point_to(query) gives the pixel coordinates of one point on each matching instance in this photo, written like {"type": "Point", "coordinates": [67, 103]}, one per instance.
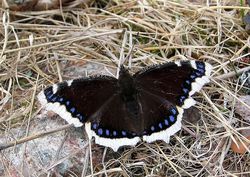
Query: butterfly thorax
{"type": "Point", "coordinates": [128, 92]}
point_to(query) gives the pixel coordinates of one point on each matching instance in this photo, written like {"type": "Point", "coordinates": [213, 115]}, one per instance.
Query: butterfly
{"type": "Point", "coordinates": [146, 106]}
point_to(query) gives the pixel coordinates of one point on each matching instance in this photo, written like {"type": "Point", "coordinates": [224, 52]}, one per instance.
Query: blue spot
{"type": "Point", "coordinates": [200, 64]}
{"type": "Point", "coordinates": [187, 82]}
{"type": "Point", "coordinates": [192, 76]}
{"type": "Point", "coordinates": [145, 132]}
{"type": "Point", "coordinates": [166, 122]}
{"type": "Point", "coordinates": [182, 98]}
{"type": "Point", "coordinates": [133, 134]}
{"type": "Point", "coordinates": [80, 117]}
{"type": "Point", "coordinates": [100, 131]}
{"type": "Point", "coordinates": [160, 125]}
{"type": "Point", "coordinates": [48, 93]}
{"type": "Point", "coordinates": [198, 74]}
{"type": "Point", "coordinates": [124, 133]}
{"type": "Point", "coordinates": [152, 128]}
{"type": "Point", "coordinates": [72, 110]}
{"type": "Point", "coordinates": [67, 103]}
{"type": "Point", "coordinates": [50, 96]}
{"type": "Point", "coordinates": [60, 99]}
{"type": "Point", "coordinates": [185, 90]}
{"type": "Point", "coordinates": [94, 126]}
{"type": "Point", "coordinates": [107, 132]}
{"type": "Point", "coordinates": [201, 70]}
{"type": "Point", "coordinates": [115, 133]}
{"type": "Point", "coordinates": [171, 118]}
{"type": "Point", "coordinates": [173, 111]}
{"type": "Point", "coordinates": [54, 98]}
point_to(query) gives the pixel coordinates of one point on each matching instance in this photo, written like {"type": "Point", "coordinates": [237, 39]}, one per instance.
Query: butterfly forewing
{"type": "Point", "coordinates": [175, 82]}
{"type": "Point", "coordinates": [76, 101]}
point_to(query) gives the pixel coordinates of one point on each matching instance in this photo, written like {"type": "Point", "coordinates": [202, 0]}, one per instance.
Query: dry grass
{"type": "Point", "coordinates": [40, 48]}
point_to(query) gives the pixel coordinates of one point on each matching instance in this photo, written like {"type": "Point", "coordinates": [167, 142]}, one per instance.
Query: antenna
{"type": "Point", "coordinates": [131, 50]}
{"type": "Point", "coordinates": [130, 53]}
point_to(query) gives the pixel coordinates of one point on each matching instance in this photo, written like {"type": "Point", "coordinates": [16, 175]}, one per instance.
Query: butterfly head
{"type": "Point", "coordinates": [123, 70]}
{"type": "Point", "coordinates": [126, 83]}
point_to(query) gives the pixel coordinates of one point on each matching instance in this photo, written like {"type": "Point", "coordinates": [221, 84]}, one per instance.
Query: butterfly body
{"type": "Point", "coordinates": [146, 106]}
{"type": "Point", "coordinates": [129, 94]}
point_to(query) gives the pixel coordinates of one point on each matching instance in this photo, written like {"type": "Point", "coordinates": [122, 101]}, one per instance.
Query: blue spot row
{"type": "Point", "coordinates": [173, 111]}
{"type": "Point", "coordinates": [200, 66]}
{"type": "Point", "coordinates": [187, 85]}
{"type": "Point", "coordinates": [166, 123]}
{"type": "Point", "coordinates": [54, 98]}
{"type": "Point", "coordinates": [110, 133]}
{"type": "Point", "coordinates": [182, 98]}
{"type": "Point", "coordinates": [72, 110]}
{"type": "Point", "coordinates": [47, 93]}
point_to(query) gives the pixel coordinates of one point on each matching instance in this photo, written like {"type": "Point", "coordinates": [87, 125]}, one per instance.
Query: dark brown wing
{"type": "Point", "coordinates": [77, 100]}
{"type": "Point", "coordinates": [115, 127]}
{"type": "Point", "coordinates": [165, 91]}
{"type": "Point", "coordinates": [174, 82]}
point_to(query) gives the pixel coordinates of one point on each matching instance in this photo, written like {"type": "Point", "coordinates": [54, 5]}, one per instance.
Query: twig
{"type": "Point", "coordinates": [233, 73]}
{"type": "Point", "coordinates": [38, 135]}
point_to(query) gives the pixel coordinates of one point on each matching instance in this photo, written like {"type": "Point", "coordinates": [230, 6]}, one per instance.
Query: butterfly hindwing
{"type": "Point", "coordinates": [161, 118]}
{"type": "Point", "coordinates": [116, 127]}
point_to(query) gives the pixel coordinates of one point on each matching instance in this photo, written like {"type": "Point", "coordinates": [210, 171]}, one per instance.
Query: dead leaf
{"type": "Point", "coordinates": [240, 147]}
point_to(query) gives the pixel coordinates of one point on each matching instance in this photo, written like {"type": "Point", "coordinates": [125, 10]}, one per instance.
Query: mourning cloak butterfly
{"type": "Point", "coordinates": [146, 106]}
